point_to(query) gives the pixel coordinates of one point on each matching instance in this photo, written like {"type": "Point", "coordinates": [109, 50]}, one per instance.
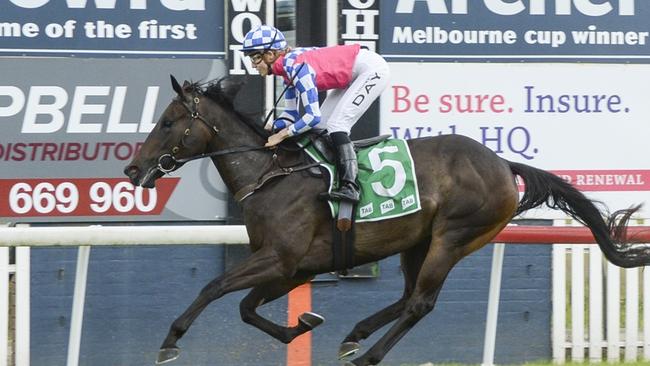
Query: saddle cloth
{"type": "Point", "coordinates": [386, 178]}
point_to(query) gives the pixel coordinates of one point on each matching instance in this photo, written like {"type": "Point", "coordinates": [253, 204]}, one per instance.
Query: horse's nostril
{"type": "Point", "coordinates": [131, 171]}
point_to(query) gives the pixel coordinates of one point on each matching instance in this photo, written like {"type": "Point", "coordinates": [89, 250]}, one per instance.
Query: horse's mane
{"type": "Point", "coordinates": [223, 91]}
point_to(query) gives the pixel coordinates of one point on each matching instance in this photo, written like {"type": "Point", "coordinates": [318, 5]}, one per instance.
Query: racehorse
{"type": "Point", "coordinates": [468, 195]}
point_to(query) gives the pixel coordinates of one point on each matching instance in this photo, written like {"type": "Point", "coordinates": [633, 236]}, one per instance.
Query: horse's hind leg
{"type": "Point", "coordinates": [411, 262]}
{"type": "Point", "coordinates": [261, 267]}
{"type": "Point", "coordinates": [435, 268]}
{"type": "Point", "coordinates": [268, 292]}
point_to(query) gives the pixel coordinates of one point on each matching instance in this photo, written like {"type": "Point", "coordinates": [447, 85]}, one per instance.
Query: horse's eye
{"type": "Point", "coordinates": [167, 123]}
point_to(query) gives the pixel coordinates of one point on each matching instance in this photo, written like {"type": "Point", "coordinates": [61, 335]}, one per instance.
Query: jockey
{"type": "Point", "coordinates": [356, 77]}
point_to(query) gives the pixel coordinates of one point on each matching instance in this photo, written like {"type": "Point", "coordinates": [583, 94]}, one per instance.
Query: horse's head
{"type": "Point", "coordinates": [185, 129]}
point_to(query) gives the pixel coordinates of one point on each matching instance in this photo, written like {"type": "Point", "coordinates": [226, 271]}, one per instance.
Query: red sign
{"type": "Point", "coordinates": [82, 197]}
{"type": "Point", "coordinates": [606, 180]}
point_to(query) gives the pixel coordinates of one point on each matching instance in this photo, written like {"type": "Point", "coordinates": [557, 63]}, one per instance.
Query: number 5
{"type": "Point", "coordinates": [377, 164]}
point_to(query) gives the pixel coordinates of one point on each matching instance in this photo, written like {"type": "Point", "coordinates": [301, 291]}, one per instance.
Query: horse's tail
{"type": "Point", "coordinates": [610, 232]}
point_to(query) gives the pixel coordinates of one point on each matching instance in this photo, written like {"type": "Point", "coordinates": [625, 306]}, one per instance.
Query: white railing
{"type": "Point", "coordinates": [24, 237]}
{"type": "Point", "coordinates": [578, 341]}
{"type": "Point", "coordinates": [21, 271]}
{"type": "Point", "coordinates": [588, 321]}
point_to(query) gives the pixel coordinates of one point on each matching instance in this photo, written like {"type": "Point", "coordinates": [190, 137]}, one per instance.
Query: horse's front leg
{"type": "Point", "coordinates": [260, 267]}
{"type": "Point", "coordinates": [268, 292]}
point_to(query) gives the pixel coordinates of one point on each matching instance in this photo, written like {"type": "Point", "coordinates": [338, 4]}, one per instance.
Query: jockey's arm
{"type": "Point", "coordinates": [290, 112]}
{"type": "Point", "coordinates": [305, 83]}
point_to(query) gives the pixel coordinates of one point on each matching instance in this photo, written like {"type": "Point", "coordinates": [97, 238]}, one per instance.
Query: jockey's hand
{"type": "Point", "coordinates": [277, 138]}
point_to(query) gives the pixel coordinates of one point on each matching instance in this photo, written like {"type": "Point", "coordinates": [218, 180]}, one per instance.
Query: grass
{"type": "Point", "coordinates": [644, 363]}
{"type": "Point", "coordinates": [586, 363]}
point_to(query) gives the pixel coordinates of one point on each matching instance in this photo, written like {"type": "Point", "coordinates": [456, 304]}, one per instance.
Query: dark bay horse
{"type": "Point", "coordinates": [468, 195]}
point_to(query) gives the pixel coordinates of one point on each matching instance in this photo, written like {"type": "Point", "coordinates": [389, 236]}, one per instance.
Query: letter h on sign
{"type": "Point", "coordinates": [360, 23]}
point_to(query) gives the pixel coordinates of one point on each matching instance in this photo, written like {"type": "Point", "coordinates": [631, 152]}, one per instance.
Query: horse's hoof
{"type": "Point", "coordinates": [167, 355]}
{"type": "Point", "coordinates": [311, 320]}
{"type": "Point", "coordinates": [347, 349]}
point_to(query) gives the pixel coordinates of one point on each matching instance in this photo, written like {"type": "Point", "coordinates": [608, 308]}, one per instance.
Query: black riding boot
{"type": "Point", "coordinates": [349, 190]}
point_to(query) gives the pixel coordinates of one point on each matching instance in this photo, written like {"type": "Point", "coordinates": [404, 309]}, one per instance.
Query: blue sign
{"type": "Point", "coordinates": [111, 28]}
{"type": "Point", "coordinates": [507, 30]}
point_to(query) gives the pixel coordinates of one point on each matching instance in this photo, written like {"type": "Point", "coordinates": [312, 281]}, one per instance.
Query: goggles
{"type": "Point", "coordinates": [256, 55]}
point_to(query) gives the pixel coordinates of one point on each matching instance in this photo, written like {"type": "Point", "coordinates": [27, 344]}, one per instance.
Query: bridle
{"type": "Point", "coordinates": [193, 109]}
{"type": "Point", "coordinates": [168, 162]}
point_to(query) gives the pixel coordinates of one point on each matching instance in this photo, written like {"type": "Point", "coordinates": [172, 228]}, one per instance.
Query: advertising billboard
{"type": "Point", "coordinates": [70, 126]}
{"type": "Point", "coordinates": [587, 123]}
{"type": "Point", "coordinates": [559, 85]}
{"type": "Point", "coordinates": [109, 28]}
{"type": "Point", "coordinates": [534, 30]}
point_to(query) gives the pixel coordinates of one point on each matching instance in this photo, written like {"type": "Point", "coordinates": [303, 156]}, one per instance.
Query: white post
{"type": "Point", "coordinates": [4, 304]}
{"type": "Point", "coordinates": [269, 83]}
{"type": "Point", "coordinates": [332, 23]}
{"type": "Point", "coordinates": [646, 313]}
{"type": "Point", "coordinates": [631, 313]}
{"type": "Point", "coordinates": [559, 303]}
{"type": "Point", "coordinates": [613, 312]}
{"type": "Point", "coordinates": [22, 306]}
{"type": "Point", "coordinates": [76, 319]}
{"type": "Point", "coordinates": [577, 303]}
{"type": "Point", "coordinates": [493, 305]}
{"type": "Point", "coordinates": [595, 304]}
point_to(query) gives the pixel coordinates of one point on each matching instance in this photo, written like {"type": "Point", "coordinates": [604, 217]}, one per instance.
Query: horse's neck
{"type": "Point", "coordinates": [240, 169]}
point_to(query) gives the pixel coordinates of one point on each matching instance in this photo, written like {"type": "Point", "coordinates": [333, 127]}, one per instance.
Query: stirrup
{"type": "Point", "coordinates": [346, 193]}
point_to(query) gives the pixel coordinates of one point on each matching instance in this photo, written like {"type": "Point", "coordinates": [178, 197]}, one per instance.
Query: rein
{"type": "Point", "coordinates": [282, 95]}
{"type": "Point", "coordinates": [232, 150]}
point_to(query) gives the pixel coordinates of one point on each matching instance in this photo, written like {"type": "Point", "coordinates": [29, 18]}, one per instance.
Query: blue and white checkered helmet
{"type": "Point", "coordinates": [264, 37]}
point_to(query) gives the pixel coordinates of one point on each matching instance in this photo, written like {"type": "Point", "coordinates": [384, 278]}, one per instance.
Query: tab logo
{"type": "Point", "coordinates": [387, 206]}
{"type": "Point", "coordinates": [366, 210]}
{"type": "Point", "coordinates": [408, 202]}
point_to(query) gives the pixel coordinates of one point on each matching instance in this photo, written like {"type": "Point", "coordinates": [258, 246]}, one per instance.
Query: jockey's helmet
{"type": "Point", "coordinates": [263, 38]}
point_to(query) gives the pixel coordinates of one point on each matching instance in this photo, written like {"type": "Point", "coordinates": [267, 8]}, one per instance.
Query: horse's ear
{"type": "Point", "coordinates": [176, 86]}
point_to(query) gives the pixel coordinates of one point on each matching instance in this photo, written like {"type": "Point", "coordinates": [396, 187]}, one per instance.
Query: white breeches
{"type": "Point", "coordinates": [343, 107]}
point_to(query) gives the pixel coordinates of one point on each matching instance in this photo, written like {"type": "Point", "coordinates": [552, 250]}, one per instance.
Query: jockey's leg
{"type": "Point", "coordinates": [348, 169]}
{"type": "Point", "coordinates": [369, 78]}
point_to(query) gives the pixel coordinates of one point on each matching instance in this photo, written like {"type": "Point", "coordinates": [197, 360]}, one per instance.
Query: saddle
{"type": "Point", "coordinates": [342, 231]}
{"type": "Point", "coordinates": [323, 143]}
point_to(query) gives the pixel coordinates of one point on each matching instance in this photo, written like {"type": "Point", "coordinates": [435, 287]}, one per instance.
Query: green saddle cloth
{"type": "Point", "coordinates": [386, 177]}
